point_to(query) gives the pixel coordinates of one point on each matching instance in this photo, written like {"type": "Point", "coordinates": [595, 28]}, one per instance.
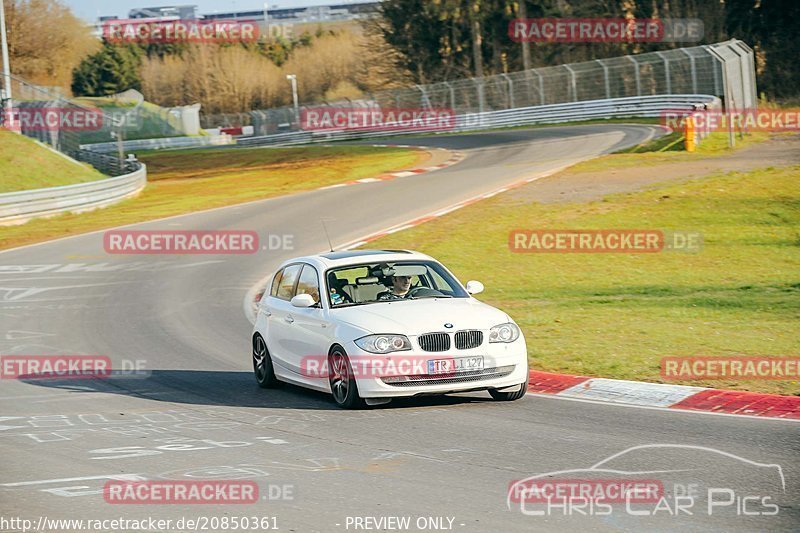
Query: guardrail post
{"type": "Point", "coordinates": [605, 76]}
{"type": "Point", "coordinates": [693, 69]}
{"type": "Point", "coordinates": [638, 77]}
{"type": "Point", "coordinates": [541, 86]}
{"type": "Point", "coordinates": [751, 67]}
{"type": "Point", "coordinates": [741, 55]}
{"type": "Point", "coordinates": [573, 83]}
{"type": "Point", "coordinates": [510, 91]}
{"type": "Point", "coordinates": [426, 102]}
{"type": "Point", "coordinates": [666, 71]}
{"type": "Point", "coordinates": [481, 102]}
{"type": "Point", "coordinates": [726, 91]}
{"type": "Point", "coordinates": [716, 61]}
{"type": "Point", "coordinates": [452, 96]}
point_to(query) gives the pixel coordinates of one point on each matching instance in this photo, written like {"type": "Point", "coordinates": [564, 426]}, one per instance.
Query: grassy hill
{"type": "Point", "coordinates": [25, 164]}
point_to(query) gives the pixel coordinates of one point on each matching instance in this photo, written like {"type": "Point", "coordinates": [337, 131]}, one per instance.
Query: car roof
{"type": "Point", "coordinates": [354, 257]}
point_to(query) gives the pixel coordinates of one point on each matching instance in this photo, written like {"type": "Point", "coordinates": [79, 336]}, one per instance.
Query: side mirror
{"type": "Point", "coordinates": [303, 300]}
{"type": "Point", "coordinates": [474, 287]}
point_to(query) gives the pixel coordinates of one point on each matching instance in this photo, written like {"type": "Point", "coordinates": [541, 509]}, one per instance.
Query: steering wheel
{"type": "Point", "coordinates": [416, 290]}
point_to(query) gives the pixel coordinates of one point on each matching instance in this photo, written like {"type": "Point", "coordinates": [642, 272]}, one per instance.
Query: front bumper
{"type": "Point", "coordinates": [505, 365]}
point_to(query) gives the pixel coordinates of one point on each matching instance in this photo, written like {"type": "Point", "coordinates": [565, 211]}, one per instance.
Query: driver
{"type": "Point", "coordinates": [400, 287]}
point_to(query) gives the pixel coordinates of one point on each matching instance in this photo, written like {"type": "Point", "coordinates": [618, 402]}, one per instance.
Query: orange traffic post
{"type": "Point", "coordinates": [688, 132]}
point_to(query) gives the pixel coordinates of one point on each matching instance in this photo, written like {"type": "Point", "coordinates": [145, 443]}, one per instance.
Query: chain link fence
{"type": "Point", "coordinates": [725, 70]}
{"type": "Point", "coordinates": [64, 123]}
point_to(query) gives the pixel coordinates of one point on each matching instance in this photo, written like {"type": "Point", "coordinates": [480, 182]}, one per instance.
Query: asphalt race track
{"type": "Point", "coordinates": [444, 462]}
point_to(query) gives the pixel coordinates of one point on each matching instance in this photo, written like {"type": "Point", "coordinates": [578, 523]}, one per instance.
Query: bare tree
{"type": "Point", "coordinates": [46, 41]}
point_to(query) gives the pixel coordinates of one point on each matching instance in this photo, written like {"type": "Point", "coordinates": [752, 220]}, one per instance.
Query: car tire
{"type": "Point", "coordinates": [262, 364]}
{"type": "Point", "coordinates": [344, 388]}
{"type": "Point", "coordinates": [509, 396]}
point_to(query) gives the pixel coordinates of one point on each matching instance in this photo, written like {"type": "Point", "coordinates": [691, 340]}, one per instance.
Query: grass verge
{"type": "Point", "coordinates": [669, 149]}
{"type": "Point", "coordinates": [617, 315]}
{"type": "Point", "coordinates": [25, 165]}
{"type": "Point", "coordinates": [192, 180]}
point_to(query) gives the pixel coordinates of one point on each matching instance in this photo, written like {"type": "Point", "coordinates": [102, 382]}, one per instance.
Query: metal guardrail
{"type": "Point", "coordinates": [107, 164]}
{"type": "Point", "coordinates": [157, 144]}
{"type": "Point", "coordinates": [629, 107]}
{"type": "Point", "coordinates": [18, 207]}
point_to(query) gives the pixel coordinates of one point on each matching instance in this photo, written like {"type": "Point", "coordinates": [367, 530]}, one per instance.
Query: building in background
{"type": "Point", "coordinates": [187, 12]}
{"type": "Point", "coordinates": [282, 21]}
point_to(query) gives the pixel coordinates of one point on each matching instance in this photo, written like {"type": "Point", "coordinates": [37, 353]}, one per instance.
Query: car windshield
{"type": "Point", "coordinates": [390, 281]}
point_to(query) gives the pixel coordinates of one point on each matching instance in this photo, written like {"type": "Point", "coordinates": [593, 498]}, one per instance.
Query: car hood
{"type": "Point", "coordinates": [413, 317]}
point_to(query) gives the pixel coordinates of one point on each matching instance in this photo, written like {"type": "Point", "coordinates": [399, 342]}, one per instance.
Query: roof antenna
{"type": "Point", "coordinates": [322, 220]}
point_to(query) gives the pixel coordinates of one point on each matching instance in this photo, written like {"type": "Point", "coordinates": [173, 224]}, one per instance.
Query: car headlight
{"type": "Point", "coordinates": [508, 332]}
{"type": "Point", "coordinates": [383, 343]}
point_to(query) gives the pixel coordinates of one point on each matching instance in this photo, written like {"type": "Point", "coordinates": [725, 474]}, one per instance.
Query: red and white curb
{"type": "Point", "coordinates": [456, 157]}
{"type": "Point", "coordinates": [665, 395]}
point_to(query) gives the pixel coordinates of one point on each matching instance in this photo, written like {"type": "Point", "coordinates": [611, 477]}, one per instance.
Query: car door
{"type": "Point", "coordinates": [279, 330]}
{"type": "Point", "coordinates": [310, 328]}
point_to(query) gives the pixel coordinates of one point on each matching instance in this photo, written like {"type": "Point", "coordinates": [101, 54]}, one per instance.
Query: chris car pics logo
{"type": "Point", "coordinates": [656, 480]}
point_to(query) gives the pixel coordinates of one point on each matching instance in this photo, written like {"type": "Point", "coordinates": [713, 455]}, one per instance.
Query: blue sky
{"type": "Point", "coordinates": [91, 9]}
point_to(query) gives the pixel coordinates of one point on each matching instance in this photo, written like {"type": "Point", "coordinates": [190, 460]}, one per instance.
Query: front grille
{"type": "Point", "coordinates": [468, 339]}
{"type": "Point", "coordinates": [434, 342]}
{"type": "Point", "coordinates": [462, 377]}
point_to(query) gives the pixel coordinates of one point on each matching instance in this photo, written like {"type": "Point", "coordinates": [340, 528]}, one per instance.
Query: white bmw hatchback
{"type": "Point", "coordinates": [371, 325]}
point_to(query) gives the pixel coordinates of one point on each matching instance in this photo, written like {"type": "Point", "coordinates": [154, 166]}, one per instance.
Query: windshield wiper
{"type": "Point", "coordinates": [349, 304]}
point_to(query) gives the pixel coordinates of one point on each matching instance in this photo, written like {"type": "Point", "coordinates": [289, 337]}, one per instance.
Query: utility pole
{"type": "Point", "coordinates": [6, 66]}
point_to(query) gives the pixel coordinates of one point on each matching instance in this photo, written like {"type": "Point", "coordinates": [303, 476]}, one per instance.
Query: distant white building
{"type": "Point", "coordinates": [297, 15]}
{"type": "Point", "coordinates": [281, 20]}
{"type": "Point", "coordinates": [185, 12]}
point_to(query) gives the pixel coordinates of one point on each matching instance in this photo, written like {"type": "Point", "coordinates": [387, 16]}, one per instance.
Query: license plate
{"type": "Point", "coordinates": [455, 364]}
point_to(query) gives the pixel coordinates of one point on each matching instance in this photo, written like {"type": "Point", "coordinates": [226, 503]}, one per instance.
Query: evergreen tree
{"type": "Point", "coordinates": [115, 68]}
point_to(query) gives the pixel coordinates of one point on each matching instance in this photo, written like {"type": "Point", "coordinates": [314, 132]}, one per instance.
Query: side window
{"type": "Point", "coordinates": [275, 282]}
{"type": "Point", "coordinates": [309, 282]}
{"type": "Point", "coordinates": [286, 284]}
